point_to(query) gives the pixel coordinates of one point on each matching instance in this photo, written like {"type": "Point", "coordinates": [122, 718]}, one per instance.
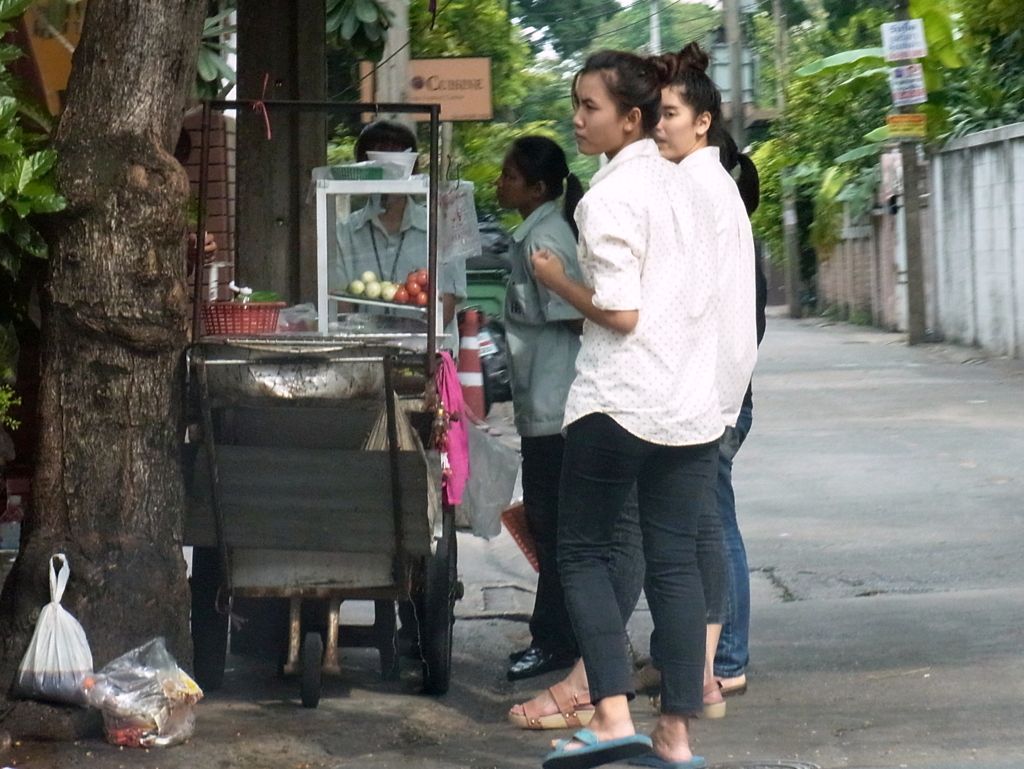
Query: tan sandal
{"type": "Point", "coordinates": [574, 711]}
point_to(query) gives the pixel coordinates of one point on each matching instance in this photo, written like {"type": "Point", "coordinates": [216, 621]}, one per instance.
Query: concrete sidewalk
{"type": "Point", "coordinates": [881, 496]}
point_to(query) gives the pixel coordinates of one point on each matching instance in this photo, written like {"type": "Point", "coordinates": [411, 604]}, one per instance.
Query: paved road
{"type": "Point", "coordinates": [881, 493]}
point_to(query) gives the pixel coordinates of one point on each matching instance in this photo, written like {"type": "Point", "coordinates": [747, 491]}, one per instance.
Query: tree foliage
{"type": "Point", "coordinates": [681, 23]}
{"type": "Point", "coordinates": [569, 26]}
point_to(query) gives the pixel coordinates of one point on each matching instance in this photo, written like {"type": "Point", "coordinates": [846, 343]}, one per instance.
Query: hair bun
{"type": "Point", "coordinates": [665, 67]}
{"type": "Point", "coordinates": [693, 57]}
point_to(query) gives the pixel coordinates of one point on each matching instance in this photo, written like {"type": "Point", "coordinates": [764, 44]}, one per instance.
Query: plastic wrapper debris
{"type": "Point", "coordinates": [58, 659]}
{"type": "Point", "coordinates": [146, 699]}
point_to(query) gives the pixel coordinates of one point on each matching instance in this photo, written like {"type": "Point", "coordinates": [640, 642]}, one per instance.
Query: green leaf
{"type": "Point", "coordinates": [861, 152]}
{"type": "Point", "coordinates": [226, 73]}
{"type": "Point", "coordinates": [349, 26]}
{"type": "Point", "coordinates": [366, 11]}
{"type": "Point", "coordinates": [48, 204]}
{"type": "Point", "coordinates": [11, 9]}
{"type": "Point", "coordinates": [334, 19]}
{"type": "Point", "coordinates": [8, 109]}
{"type": "Point", "coordinates": [41, 162]}
{"type": "Point", "coordinates": [863, 55]}
{"type": "Point", "coordinates": [206, 66]}
{"type": "Point", "coordinates": [880, 134]}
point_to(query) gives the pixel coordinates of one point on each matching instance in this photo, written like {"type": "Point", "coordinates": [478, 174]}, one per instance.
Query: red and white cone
{"type": "Point", "coordinates": [471, 377]}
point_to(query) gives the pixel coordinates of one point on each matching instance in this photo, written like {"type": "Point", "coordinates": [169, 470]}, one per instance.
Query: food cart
{"type": "Point", "coordinates": [315, 474]}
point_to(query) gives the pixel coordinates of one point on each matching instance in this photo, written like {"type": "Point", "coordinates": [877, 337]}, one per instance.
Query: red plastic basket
{"type": "Point", "coordinates": [514, 519]}
{"type": "Point", "coordinates": [225, 318]}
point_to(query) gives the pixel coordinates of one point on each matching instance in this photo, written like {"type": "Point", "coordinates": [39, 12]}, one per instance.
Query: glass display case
{"type": "Point", "coordinates": [373, 253]}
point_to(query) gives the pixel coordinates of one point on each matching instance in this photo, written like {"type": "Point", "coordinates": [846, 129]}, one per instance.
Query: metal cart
{"type": "Point", "coordinates": [313, 477]}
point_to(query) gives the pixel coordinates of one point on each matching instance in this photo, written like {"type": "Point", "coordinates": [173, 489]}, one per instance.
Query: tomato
{"type": "Point", "coordinates": [422, 299]}
{"type": "Point", "coordinates": [413, 287]}
{"type": "Point", "coordinates": [401, 296]}
{"type": "Point", "coordinates": [422, 277]}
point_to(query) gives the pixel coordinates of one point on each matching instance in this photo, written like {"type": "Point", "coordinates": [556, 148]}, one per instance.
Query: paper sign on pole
{"type": "Point", "coordinates": [907, 85]}
{"type": "Point", "coordinates": [907, 126]}
{"type": "Point", "coordinates": [904, 40]}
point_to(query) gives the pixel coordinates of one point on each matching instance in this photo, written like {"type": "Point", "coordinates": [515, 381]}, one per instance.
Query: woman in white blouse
{"type": "Point", "coordinates": [688, 133]}
{"type": "Point", "coordinates": [645, 408]}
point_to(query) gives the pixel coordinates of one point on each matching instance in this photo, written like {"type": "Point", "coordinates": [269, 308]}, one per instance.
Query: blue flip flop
{"type": "Point", "coordinates": [594, 752]}
{"type": "Point", "coordinates": [657, 762]}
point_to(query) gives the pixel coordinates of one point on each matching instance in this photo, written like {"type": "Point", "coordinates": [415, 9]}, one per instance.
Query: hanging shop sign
{"type": "Point", "coordinates": [461, 86]}
{"type": "Point", "coordinates": [904, 40]}
{"type": "Point", "coordinates": [907, 126]}
{"type": "Point", "coordinates": [907, 85]}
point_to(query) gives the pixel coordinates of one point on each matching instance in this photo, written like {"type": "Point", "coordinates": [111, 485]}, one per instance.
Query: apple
{"type": "Point", "coordinates": [369, 277]}
{"type": "Point", "coordinates": [387, 291]}
{"type": "Point", "coordinates": [422, 277]}
{"type": "Point", "coordinates": [356, 287]}
{"type": "Point", "coordinates": [422, 299]}
{"type": "Point", "coordinates": [413, 287]}
{"type": "Point", "coordinates": [401, 296]}
{"type": "Point", "coordinates": [372, 290]}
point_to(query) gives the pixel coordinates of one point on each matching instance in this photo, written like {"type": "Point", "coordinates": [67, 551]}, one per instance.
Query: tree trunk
{"type": "Point", "coordinates": [108, 487]}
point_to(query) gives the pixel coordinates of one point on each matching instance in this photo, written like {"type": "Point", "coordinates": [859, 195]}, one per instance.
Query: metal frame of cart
{"type": "Point", "coordinates": [287, 496]}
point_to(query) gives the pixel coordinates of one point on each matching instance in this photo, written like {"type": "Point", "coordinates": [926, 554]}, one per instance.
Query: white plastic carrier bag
{"type": "Point", "coordinates": [58, 659]}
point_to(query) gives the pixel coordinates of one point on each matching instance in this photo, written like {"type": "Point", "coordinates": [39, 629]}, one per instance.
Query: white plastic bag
{"type": "Point", "coordinates": [493, 468]}
{"type": "Point", "coordinates": [58, 659]}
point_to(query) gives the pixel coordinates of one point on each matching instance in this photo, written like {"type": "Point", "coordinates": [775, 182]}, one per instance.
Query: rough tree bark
{"type": "Point", "coordinates": [108, 486]}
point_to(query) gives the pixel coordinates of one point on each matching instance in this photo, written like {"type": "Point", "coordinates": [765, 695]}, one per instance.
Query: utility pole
{"type": "Point", "coordinates": [916, 304]}
{"type": "Point", "coordinates": [392, 75]}
{"type": "Point", "coordinates": [734, 41]}
{"type": "Point", "coordinates": [791, 246]}
{"type": "Point", "coordinates": [781, 34]}
{"type": "Point", "coordinates": [655, 20]}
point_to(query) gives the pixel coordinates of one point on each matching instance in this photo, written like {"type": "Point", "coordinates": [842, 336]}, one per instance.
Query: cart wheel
{"type": "Point", "coordinates": [312, 659]}
{"type": "Point", "coordinates": [436, 610]}
{"type": "Point", "coordinates": [209, 627]}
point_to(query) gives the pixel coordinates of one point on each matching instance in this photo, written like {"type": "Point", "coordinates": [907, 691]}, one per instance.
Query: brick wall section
{"type": "Point", "coordinates": [220, 198]}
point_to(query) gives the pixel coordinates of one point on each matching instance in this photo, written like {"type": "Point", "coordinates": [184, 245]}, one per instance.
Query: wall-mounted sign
{"type": "Point", "coordinates": [904, 40]}
{"type": "Point", "coordinates": [461, 86]}
{"type": "Point", "coordinates": [907, 126]}
{"type": "Point", "coordinates": [907, 85]}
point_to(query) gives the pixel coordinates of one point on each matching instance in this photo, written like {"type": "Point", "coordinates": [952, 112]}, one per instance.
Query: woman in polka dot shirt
{"type": "Point", "coordinates": [644, 408]}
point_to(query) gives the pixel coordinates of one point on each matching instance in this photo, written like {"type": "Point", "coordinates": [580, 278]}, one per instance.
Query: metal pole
{"type": "Point", "coordinates": [791, 241]}
{"type": "Point", "coordinates": [734, 39]}
{"type": "Point", "coordinates": [779, 17]}
{"type": "Point", "coordinates": [916, 302]}
{"type": "Point", "coordinates": [655, 27]}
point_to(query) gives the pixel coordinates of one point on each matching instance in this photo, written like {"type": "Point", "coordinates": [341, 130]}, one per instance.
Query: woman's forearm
{"type": "Point", "coordinates": [582, 298]}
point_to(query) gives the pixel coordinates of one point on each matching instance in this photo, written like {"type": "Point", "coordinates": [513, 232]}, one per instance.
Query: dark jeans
{"type": "Point", "coordinates": [550, 625]}
{"type": "Point", "coordinates": [713, 565]}
{"type": "Point", "coordinates": [602, 463]}
{"type": "Point", "coordinates": [733, 651]}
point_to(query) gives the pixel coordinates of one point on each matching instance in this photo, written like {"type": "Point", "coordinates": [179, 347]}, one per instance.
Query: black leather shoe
{"type": "Point", "coordinates": [517, 655]}
{"type": "Point", "coordinates": [535, 661]}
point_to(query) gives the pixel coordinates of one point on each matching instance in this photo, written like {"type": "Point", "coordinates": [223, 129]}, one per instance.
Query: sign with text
{"type": "Point", "coordinates": [461, 86]}
{"type": "Point", "coordinates": [904, 40]}
{"type": "Point", "coordinates": [907, 85]}
{"type": "Point", "coordinates": [907, 126]}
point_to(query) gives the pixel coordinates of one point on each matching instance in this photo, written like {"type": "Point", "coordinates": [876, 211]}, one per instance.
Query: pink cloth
{"type": "Point", "coordinates": [457, 460]}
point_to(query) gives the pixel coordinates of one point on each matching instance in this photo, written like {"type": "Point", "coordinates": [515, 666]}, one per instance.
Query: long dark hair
{"type": "Point", "coordinates": [631, 80]}
{"type": "Point", "coordinates": [686, 71]}
{"type": "Point", "coordinates": [539, 159]}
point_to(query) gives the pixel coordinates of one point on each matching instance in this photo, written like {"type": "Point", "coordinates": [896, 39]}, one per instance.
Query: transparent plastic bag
{"type": "Point", "coordinates": [301, 317]}
{"type": "Point", "coordinates": [58, 659]}
{"type": "Point", "coordinates": [146, 699]}
{"type": "Point", "coordinates": [493, 469]}
{"type": "Point", "coordinates": [458, 231]}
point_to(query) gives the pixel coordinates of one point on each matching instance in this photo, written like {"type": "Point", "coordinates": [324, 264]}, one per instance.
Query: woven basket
{"type": "Point", "coordinates": [514, 519]}
{"type": "Point", "coordinates": [228, 318]}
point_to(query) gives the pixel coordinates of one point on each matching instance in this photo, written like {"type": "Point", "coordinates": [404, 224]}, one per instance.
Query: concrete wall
{"type": "Point", "coordinates": [865, 277]}
{"type": "Point", "coordinates": [979, 232]}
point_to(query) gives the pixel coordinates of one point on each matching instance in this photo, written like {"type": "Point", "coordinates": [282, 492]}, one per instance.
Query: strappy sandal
{"type": "Point", "coordinates": [574, 711]}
